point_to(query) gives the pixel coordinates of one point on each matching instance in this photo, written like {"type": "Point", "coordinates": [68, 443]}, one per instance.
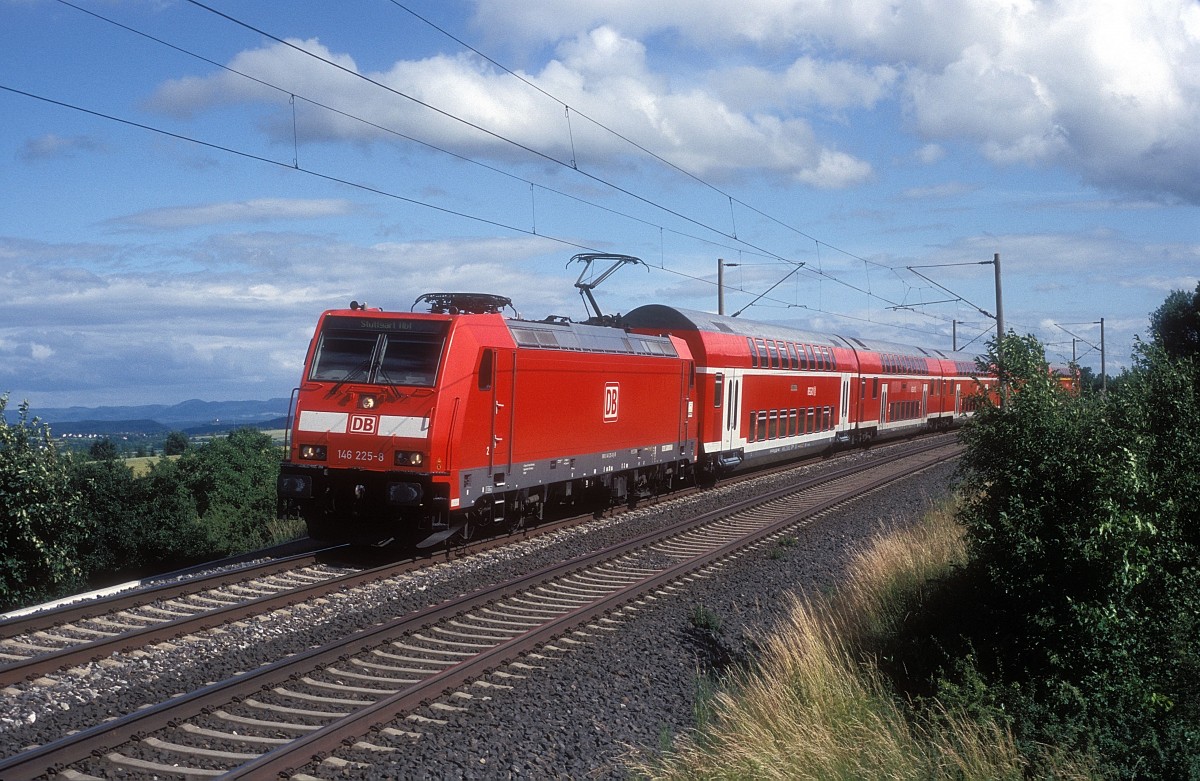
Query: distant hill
{"type": "Point", "coordinates": [192, 416]}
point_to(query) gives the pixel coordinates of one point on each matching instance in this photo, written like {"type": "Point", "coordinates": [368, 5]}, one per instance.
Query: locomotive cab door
{"type": "Point", "coordinates": [500, 444]}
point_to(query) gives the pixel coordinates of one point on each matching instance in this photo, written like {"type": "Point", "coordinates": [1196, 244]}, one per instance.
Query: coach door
{"type": "Point", "coordinates": [844, 418]}
{"type": "Point", "coordinates": [883, 405]}
{"type": "Point", "coordinates": [732, 412]}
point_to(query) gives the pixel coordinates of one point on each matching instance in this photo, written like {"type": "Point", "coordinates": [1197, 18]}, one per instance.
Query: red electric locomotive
{"type": "Point", "coordinates": [429, 424]}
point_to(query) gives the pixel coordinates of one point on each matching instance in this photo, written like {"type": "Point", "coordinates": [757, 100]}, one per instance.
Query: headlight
{"type": "Point", "coordinates": [409, 458]}
{"type": "Point", "coordinates": [312, 452]}
{"type": "Point", "coordinates": [294, 486]}
{"type": "Point", "coordinates": [367, 401]}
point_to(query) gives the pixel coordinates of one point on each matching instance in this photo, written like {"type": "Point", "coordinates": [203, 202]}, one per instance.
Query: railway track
{"type": "Point", "coordinates": [275, 719]}
{"type": "Point", "coordinates": [43, 642]}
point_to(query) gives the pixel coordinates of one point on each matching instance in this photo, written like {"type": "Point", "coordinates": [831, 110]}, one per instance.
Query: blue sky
{"type": "Point", "coordinates": [187, 186]}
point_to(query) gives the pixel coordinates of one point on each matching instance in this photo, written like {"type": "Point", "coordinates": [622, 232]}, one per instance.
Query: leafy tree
{"type": "Point", "coordinates": [1175, 325]}
{"type": "Point", "coordinates": [175, 444]}
{"type": "Point", "coordinates": [40, 521]}
{"type": "Point", "coordinates": [173, 533]}
{"type": "Point", "coordinates": [106, 488]}
{"type": "Point", "coordinates": [1085, 560]}
{"type": "Point", "coordinates": [233, 483]}
{"type": "Point", "coordinates": [103, 450]}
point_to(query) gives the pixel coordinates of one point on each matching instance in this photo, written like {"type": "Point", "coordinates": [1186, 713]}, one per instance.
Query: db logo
{"type": "Point", "coordinates": [610, 401]}
{"type": "Point", "coordinates": [363, 424]}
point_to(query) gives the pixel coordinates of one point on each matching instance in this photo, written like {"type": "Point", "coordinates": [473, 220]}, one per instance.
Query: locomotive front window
{"type": "Point", "coordinates": [379, 352]}
{"type": "Point", "coordinates": [343, 358]}
{"type": "Point", "coordinates": [409, 359]}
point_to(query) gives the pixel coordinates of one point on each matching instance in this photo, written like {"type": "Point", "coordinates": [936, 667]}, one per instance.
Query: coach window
{"type": "Point", "coordinates": [773, 425]}
{"type": "Point", "coordinates": [808, 354]}
{"type": "Point", "coordinates": [793, 423]}
{"type": "Point", "coordinates": [753, 352]}
{"type": "Point", "coordinates": [762, 426]}
{"type": "Point", "coordinates": [486, 369]}
{"type": "Point", "coordinates": [764, 360]}
{"type": "Point", "coordinates": [774, 352]}
{"type": "Point", "coordinates": [719, 390]}
{"type": "Point", "coordinates": [832, 359]}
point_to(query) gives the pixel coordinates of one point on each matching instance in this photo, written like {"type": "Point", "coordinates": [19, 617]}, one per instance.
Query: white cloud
{"type": "Point", "coordinates": [807, 82]}
{"type": "Point", "coordinates": [1108, 88]}
{"type": "Point", "coordinates": [599, 71]}
{"type": "Point", "coordinates": [53, 146]}
{"type": "Point", "coordinates": [254, 211]}
{"type": "Point", "coordinates": [942, 190]}
{"type": "Point", "coordinates": [930, 153]}
{"type": "Point", "coordinates": [238, 330]}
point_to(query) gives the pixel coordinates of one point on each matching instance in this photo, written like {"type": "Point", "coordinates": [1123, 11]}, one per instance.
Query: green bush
{"type": "Point", "coordinates": [1082, 526]}
{"type": "Point", "coordinates": [233, 483]}
{"type": "Point", "coordinates": [40, 520]}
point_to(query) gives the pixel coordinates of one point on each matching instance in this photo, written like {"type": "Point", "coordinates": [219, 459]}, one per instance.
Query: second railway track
{"type": "Point", "coordinates": [278, 716]}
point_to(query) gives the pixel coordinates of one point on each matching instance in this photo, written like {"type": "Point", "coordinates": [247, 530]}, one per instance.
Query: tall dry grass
{"type": "Point", "coordinates": [816, 707]}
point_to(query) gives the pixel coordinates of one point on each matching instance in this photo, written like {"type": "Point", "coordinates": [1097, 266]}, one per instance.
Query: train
{"type": "Point", "coordinates": [430, 426]}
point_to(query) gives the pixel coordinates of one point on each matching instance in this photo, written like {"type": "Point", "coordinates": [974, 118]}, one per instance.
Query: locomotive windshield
{"type": "Point", "coordinates": [379, 351]}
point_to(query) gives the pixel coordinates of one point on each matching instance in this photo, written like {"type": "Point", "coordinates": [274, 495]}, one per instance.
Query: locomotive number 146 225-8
{"type": "Point", "coordinates": [360, 455]}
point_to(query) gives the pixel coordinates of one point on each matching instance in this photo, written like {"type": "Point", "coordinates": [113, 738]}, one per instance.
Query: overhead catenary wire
{"type": "Point", "coordinates": [733, 235]}
{"type": "Point", "coordinates": [819, 272]}
{"type": "Point", "coordinates": [393, 132]}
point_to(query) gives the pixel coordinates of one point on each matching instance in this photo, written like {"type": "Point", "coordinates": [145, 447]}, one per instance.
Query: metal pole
{"type": "Point", "coordinates": [720, 286]}
{"type": "Point", "coordinates": [954, 335]}
{"type": "Point", "coordinates": [999, 301]}
{"type": "Point", "coordinates": [1103, 371]}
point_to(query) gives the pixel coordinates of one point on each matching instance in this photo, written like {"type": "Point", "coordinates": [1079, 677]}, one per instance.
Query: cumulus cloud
{"type": "Point", "coordinates": [466, 105]}
{"type": "Point", "coordinates": [1108, 88]}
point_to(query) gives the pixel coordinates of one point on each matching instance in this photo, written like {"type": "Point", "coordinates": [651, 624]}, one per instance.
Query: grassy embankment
{"type": "Point", "coordinates": [816, 706]}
